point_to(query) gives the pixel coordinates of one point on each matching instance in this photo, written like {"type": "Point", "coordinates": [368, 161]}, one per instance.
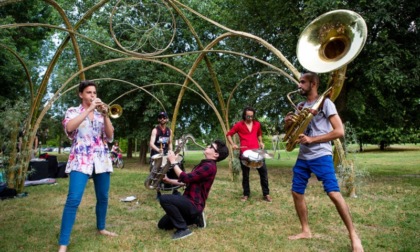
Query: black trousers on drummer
{"type": "Point", "coordinates": [263, 179]}
{"type": "Point", "coordinates": [180, 212]}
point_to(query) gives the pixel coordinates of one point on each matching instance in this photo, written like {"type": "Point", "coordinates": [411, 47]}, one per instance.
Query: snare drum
{"type": "Point", "coordinates": [252, 159]}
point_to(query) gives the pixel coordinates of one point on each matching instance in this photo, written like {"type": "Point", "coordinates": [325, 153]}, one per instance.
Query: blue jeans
{"type": "Point", "coordinates": [77, 187]}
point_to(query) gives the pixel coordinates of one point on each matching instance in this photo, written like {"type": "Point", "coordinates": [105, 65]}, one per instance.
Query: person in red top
{"type": "Point", "coordinates": [250, 137]}
{"type": "Point", "coordinates": [187, 209]}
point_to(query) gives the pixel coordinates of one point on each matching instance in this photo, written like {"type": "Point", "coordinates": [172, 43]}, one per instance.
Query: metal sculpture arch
{"type": "Point", "coordinates": [139, 36]}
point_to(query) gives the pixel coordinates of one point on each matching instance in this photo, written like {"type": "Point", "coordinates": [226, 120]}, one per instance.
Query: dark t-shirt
{"type": "Point", "coordinates": [162, 137]}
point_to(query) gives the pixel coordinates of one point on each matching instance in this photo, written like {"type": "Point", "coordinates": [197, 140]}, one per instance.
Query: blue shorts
{"type": "Point", "coordinates": [322, 167]}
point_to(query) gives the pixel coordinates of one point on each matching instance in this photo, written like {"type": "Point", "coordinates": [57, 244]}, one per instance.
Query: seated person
{"type": "Point", "coordinates": [115, 149]}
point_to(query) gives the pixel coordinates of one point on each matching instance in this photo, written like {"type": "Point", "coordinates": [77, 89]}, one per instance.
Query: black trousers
{"type": "Point", "coordinates": [180, 212]}
{"type": "Point", "coordinates": [263, 179]}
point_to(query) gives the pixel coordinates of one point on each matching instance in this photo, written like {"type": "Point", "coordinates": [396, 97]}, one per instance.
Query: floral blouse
{"type": "Point", "coordinates": [89, 148]}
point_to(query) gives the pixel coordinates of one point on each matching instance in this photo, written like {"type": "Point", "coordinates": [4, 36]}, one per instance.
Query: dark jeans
{"type": "Point", "coordinates": [180, 212]}
{"type": "Point", "coordinates": [263, 179]}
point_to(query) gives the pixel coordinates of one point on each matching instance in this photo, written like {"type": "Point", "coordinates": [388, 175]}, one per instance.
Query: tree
{"type": "Point", "coordinates": [381, 93]}
{"type": "Point", "coordinates": [251, 47]}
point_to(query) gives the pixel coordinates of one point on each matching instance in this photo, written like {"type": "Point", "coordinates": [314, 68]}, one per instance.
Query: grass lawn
{"type": "Point", "coordinates": [385, 212]}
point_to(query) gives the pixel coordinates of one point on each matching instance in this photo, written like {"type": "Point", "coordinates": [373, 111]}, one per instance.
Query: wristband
{"type": "Point", "coordinates": [173, 165]}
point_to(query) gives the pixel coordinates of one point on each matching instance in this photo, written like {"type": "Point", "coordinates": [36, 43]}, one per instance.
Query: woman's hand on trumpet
{"type": "Point", "coordinates": [92, 105]}
{"type": "Point", "coordinates": [99, 105]}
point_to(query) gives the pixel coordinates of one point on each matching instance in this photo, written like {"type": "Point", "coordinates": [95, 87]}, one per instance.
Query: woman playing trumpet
{"type": "Point", "coordinates": [89, 156]}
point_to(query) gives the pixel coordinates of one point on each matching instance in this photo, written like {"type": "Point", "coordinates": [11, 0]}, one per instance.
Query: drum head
{"type": "Point", "coordinates": [252, 155]}
{"type": "Point", "coordinates": [156, 156]}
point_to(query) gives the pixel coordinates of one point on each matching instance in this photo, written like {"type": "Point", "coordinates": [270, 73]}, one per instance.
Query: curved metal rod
{"type": "Point", "coordinates": [245, 34]}
{"type": "Point", "coordinates": [196, 64]}
{"type": "Point", "coordinates": [132, 53]}
{"type": "Point", "coordinates": [237, 85]}
{"type": "Point", "coordinates": [56, 95]}
{"type": "Point", "coordinates": [143, 88]}
{"type": "Point", "coordinates": [22, 62]}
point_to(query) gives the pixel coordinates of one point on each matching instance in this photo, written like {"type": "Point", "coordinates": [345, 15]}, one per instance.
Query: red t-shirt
{"type": "Point", "coordinates": [248, 139]}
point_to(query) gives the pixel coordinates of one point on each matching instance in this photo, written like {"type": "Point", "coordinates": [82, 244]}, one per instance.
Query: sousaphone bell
{"type": "Point", "coordinates": [331, 41]}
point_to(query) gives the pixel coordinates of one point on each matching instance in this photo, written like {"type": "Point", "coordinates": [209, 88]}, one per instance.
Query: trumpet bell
{"type": "Point", "coordinates": [115, 111]}
{"type": "Point", "coordinates": [331, 41]}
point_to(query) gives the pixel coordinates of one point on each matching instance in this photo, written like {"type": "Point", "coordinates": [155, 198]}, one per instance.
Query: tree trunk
{"type": "Point", "coordinates": [382, 144]}
{"type": "Point", "coordinates": [144, 148]}
{"type": "Point", "coordinates": [130, 146]}
{"type": "Point", "coordinates": [10, 171]}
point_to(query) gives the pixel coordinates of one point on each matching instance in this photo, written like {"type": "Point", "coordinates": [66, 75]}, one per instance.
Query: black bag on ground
{"type": "Point", "coordinates": [61, 170]}
{"type": "Point", "coordinates": [8, 193]}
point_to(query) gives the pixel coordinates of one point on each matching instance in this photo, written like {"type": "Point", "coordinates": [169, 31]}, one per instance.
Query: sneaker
{"type": "Point", "coordinates": [267, 198]}
{"type": "Point", "coordinates": [244, 198]}
{"type": "Point", "coordinates": [180, 234]}
{"type": "Point", "coordinates": [201, 220]}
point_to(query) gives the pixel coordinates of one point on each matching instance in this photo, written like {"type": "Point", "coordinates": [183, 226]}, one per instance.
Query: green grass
{"type": "Point", "coordinates": [386, 211]}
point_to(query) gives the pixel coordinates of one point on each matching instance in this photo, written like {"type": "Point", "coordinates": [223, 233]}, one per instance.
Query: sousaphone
{"type": "Point", "coordinates": [331, 41]}
{"type": "Point", "coordinates": [327, 44]}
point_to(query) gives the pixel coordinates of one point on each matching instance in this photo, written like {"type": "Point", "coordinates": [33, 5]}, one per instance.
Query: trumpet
{"type": "Point", "coordinates": [114, 111]}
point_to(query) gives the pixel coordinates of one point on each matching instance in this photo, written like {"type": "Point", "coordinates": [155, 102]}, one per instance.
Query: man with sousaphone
{"type": "Point", "coordinates": [252, 154]}
{"type": "Point", "coordinates": [315, 157]}
{"type": "Point", "coordinates": [328, 44]}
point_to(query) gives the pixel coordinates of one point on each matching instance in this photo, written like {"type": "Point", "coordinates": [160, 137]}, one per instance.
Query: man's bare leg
{"type": "Point", "coordinates": [344, 212]}
{"type": "Point", "coordinates": [302, 212]}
